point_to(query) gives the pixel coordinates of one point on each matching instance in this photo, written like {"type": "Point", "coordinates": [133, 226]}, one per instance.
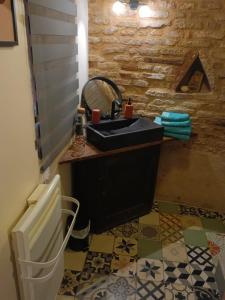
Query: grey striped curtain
{"type": "Point", "coordinates": [52, 35]}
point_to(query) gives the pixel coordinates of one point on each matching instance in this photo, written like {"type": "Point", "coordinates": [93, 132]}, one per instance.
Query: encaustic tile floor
{"type": "Point", "coordinates": [175, 252]}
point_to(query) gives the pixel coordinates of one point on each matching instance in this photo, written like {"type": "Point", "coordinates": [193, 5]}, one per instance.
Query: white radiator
{"type": "Point", "coordinates": [39, 243]}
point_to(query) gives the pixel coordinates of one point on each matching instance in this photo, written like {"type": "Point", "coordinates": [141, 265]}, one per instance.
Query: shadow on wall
{"type": "Point", "coordinates": [191, 177]}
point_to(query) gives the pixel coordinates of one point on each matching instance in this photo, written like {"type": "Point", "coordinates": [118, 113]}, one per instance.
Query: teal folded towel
{"type": "Point", "coordinates": [173, 116]}
{"type": "Point", "coordinates": [181, 133]}
{"type": "Point", "coordinates": [179, 130]}
{"type": "Point", "coordinates": [159, 121]}
{"type": "Point", "coordinates": [177, 124]}
{"type": "Point", "coordinates": [178, 136]}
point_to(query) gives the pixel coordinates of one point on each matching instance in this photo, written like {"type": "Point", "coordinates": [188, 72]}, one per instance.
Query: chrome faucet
{"type": "Point", "coordinates": [116, 108]}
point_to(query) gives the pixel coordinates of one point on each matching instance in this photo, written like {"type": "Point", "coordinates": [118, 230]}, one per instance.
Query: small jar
{"type": "Point", "coordinates": [96, 116]}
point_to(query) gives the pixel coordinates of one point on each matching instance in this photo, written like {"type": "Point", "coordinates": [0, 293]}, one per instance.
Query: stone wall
{"type": "Point", "coordinates": [143, 57]}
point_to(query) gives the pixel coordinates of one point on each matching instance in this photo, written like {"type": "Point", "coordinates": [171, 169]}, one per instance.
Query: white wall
{"type": "Point", "coordinates": [19, 169]}
{"type": "Point", "coordinates": [82, 20]}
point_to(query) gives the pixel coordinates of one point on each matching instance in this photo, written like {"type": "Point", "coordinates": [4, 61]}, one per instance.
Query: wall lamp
{"type": "Point", "coordinates": [120, 7]}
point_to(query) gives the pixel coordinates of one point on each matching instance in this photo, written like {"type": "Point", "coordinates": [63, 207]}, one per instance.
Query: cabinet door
{"type": "Point", "coordinates": [86, 187]}
{"type": "Point", "coordinates": [127, 187]}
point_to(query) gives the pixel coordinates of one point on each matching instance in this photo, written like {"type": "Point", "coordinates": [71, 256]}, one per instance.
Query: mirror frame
{"type": "Point", "coordinates": [88, 110]}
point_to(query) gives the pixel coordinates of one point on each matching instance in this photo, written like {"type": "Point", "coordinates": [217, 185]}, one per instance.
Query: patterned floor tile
{"type": "Point", "coordinates": [220, 279]}
{"type": "Point", "coordinates": [124, 266]}
{"type": "Point", "coordinates": [112, 288]}
{"type": "Point", "coordinates": [168, 207]}
{"type": "Point", "coordinates": [150, 269]}
{"type": "Point", "coordinates": [195, 238]}
{"type": "Point", "coordinates": [150, 219]}
{"type": "Point", "coordinates": [74, 260]}
{"type": "Point", "coordinates": [217, 250]}
{"type": "Point", "coordinates": [209, 214]}
{"type": "Point", "coordinates": [188, 210]}
{"type": "Point", "coordinates": [70, 283]}
{"type": "Point", "coordinates": [62, 297]}
{"type": "Point", "coordinates": [149, 232]}
{"type": "Point", "coordinates": [89, 279]}
{"type": "Point", "coordinates": [191, 222]}
{"type": "Point", "coordinates": [149, 290]}
{"type": "Point", "coordinates": [96, 290]}
{"type": "Point", "coordinates": [177, 273]}
{"type": "Point", "coordinates": [122, 288]}
{"type": "Point", "coordinates": [97, 294]}
{"type": "Point", "coordinates": [199, 255]}
{"type": "Point", "coordinates": [102, 243]}
{"type": "Point", "coordinates": [213, 225]}
{"type": "Point", "coordinates": [203, 276]}
{"type": "Point", "coordinates": [155, 207]}
{"type": "Point", "coordinates": [192, 270]}
{"type": "Point", "coordinates": [215, 239]}
{"type": "Point", "coordinates": [125, 246]}
{"type": "Point", "coordinates": [222, 218]}
{"type": "Point", "coordinates": [128, 230]}
{"type": "Point", "coordinates": [178, 292]}
{"type": "Point", "coordinates": [175, 252]}
{"type": "Point", "coordinates": [206, 294]}
{"type": "Point", "coordinates": [97, 262]}
{"type": "Point", "coordinates": [150, 249]}
{"type": "Point", "coordinates": [194, 211]}
{"type": "Point", "coordinates": [216, 244]}
{"type": "Point", "coordinates": [170, 229]}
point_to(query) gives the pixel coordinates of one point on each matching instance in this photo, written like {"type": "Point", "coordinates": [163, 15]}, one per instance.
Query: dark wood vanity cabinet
{"type": "Point", "coordinates": [116, 188]}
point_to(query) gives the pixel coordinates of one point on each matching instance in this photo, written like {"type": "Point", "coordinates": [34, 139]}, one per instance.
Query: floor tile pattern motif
{"type": "Point", "coordinates": [149, 269]}
{"type": "Point", "coordinates": [175, 291]}
{"type": "Point", "coordinates": [149, 290]}
{"type": "Point", "coordinates": [174, 252]}
{"type": "Point", "coordinates": [170, 228]}
{"type": "Point", "coordinates": [178, 273]}
{"type": "Point", "coordinates": [199, 255]}
{"type": "Point", "coordinates": [203, 276]}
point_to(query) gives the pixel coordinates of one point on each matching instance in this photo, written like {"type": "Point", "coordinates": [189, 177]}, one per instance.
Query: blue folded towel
{"type": "Point", "coordinates": [159, 121]}
{"type": "Point", "coordinates": [173, 116]}
{"type": "Point", "coordinates": [178, 136]}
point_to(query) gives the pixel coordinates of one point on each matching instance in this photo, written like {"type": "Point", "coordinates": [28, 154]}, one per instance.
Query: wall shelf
{"type": "Point", "coordinates": [192, 77]}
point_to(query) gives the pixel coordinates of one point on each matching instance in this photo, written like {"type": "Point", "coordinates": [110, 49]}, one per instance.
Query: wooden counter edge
{"type": "Point", "coordinates": [91, 152]}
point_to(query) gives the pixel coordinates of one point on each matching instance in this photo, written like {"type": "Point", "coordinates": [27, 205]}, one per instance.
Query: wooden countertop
{"type": "Point", "coordinates": [77, 153]}
{"type": "Point", "coordinates": [73, 154]}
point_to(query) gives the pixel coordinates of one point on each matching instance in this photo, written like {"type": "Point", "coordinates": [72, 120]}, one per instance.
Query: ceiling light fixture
{"type": "Point", "coordinates": [119, 8]}
{"type": "Point", "coordinates": [134, 4]}
{"type": "Point", "coordinates": [145, 11]}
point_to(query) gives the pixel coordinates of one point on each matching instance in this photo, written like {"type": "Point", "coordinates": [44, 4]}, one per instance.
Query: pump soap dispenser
{"type": "Point", "coordinates": [128, 113]}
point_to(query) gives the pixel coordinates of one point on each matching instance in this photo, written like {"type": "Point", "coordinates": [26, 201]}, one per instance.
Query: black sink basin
{"type": "Point", "coordinates": [113, 134]}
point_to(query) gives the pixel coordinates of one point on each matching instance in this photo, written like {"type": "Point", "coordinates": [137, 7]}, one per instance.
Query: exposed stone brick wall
{"type": "Point", "coordinates": [143, 57]}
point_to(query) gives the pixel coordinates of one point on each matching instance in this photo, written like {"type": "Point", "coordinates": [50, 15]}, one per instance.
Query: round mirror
{"type": "Point", "coordinates": [103, 94]}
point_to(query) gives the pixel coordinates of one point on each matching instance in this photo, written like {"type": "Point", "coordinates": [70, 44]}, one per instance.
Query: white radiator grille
{"type": "Point", "coordinates": [39, 245]}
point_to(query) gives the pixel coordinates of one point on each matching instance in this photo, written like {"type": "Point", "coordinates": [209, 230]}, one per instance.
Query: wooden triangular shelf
{"type": "Point", "coordinates": [192, 77]}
